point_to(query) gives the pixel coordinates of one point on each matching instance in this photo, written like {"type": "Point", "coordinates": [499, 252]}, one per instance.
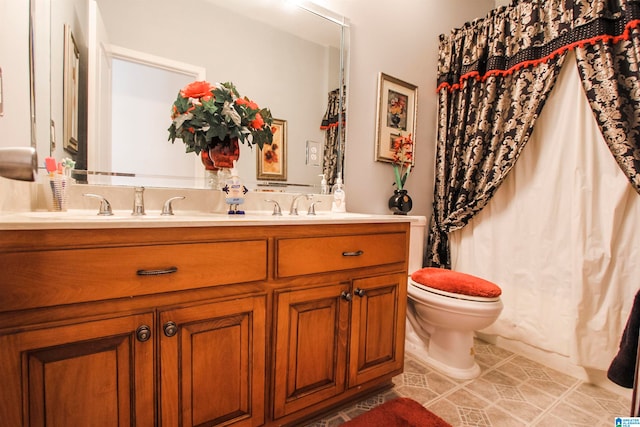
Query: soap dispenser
{"type": "Point", "coordinates": [339, 196]}
{"type": "Point", "coordinates": [324, 188]}
{"type": "Point", "coordinates": [235, 192]}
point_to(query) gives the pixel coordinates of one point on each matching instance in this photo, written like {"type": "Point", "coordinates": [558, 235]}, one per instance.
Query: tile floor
{"type": "Point", "coordinates": [511, 391]}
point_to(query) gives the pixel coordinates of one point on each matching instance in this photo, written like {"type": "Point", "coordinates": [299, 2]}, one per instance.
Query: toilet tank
{"type": "Point", "coordinates": [416, 242]}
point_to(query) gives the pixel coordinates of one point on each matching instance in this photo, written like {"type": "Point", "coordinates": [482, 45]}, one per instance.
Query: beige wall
{"type": "Point", "coordinates": [15, 129]}
{"type": "Point", "coordinates": [398, 38]}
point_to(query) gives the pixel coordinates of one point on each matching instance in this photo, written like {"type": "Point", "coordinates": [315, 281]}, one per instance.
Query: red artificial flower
{"type": "Point", "coordinates": [250, 104]}
{"type": "Point", "coordinates": [197, 90]}
{"type": "Point", "coordinates": [258, 122]}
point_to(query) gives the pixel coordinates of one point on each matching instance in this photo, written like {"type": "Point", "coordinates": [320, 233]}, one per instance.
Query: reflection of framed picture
{"type": "Point", "coordinates": [397, 107]}
{"type": "Point", "coordinates": [272, 159]}
{"type": "Point", "coordinates": [70, 88]}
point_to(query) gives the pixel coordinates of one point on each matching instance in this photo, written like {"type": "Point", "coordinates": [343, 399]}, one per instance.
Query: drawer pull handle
{"type": "Point", "coordinates": [157, 272]}
{"type": "Point", "coordinates": [170, 329]}
{"type": "Point", "coordinates": [143, 333]}
{"type": "Point", "coordinates": [354, 253]}
{"type": "Point", "coordinates": [346, 296]}
{"type": "Point", "coordinates": [359, 292]}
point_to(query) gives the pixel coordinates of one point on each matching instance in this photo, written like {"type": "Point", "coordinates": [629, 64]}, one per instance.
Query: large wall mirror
{"type": "Point", "coordinates": [115, 67]}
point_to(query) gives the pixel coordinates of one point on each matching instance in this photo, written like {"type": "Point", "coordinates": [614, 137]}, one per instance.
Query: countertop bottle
{"type": "Point", "coordinates": [339, 196]}
{"type": "Point", "coordinates": [324, 187]}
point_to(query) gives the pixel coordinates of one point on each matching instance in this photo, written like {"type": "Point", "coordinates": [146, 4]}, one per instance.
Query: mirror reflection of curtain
{"type": "Point", "coordinates": [570, 265]}
{"type": "Point", "coordinates": [334, 136]}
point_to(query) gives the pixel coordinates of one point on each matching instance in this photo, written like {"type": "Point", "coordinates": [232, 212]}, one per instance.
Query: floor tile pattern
{"type": "Point", "coordinates": [512, 391]}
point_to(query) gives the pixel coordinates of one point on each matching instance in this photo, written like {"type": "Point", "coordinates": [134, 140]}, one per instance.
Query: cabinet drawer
{"type": "Point", "coordinates": [47, 278]}
{"type": "Point", "coordinates": [309, 255]}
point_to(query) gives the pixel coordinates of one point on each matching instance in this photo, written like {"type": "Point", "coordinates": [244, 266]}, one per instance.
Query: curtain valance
{"type": "Point", "coordinates": [527, 33]}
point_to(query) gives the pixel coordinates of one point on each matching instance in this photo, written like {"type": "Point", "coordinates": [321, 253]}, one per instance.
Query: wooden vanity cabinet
{"type": "Point", "coordinates": [332, 338]}
{"type": "Point", "coordinates": [341, 332]}
{"type": "Point", "coordinates": [212, 370]}
{"type": "Point", "coordinates": [244, 326]}
{"type": "Point", "coordinates": [91, 372]}
{"type": "Point", "coordinates": [137, 327]}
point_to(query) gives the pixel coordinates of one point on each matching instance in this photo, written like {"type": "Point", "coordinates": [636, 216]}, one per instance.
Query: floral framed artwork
{"type": "Point", "coordinates": [396, 116]}
{"type": "Point", "coordinates": [271, 162]}
{"type": "Point", "coordinates": [70, 90]}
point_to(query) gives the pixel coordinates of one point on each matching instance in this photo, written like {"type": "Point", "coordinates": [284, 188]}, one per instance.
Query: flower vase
{"type": "Point", "coordinates": [218, 159]}
{"type": "Point", "coordinates": [223, 152]}
{"type": "Point", "coordinates": [400, 203]}
{"type": "Point", "coordinates": [206, 161]}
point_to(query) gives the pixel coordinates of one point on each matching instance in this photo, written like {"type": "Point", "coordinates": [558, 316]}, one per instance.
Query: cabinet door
{"type": "Point", "coordinates": [212, 363]}
{"type": "Point", "coordinates": [377, 327]}
{"type": "Point", "coordinates": [94, 373]}
{"type": "Point", "coordinates": [310, 347]}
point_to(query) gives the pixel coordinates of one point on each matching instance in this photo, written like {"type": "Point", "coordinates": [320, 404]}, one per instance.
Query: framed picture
{"type": "Point", "coordinates": [272, 159]}
{"type": "Point", "coordinates": [397, 108]}
{"type": "Point", "coordinates": [70, 91]}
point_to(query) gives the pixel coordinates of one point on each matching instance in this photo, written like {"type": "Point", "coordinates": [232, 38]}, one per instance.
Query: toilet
{"type": "Point", "coordinates": [444, 309]}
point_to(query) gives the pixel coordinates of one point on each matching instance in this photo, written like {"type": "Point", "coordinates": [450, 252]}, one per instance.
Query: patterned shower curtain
{"type": "Point", "coordinates": [333, 123]}
{"type": "Point", "coordinates": [494, 76]}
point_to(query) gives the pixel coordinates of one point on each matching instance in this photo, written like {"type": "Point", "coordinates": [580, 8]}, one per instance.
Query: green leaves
{"type": "Point", "coordinates": [200, 122]}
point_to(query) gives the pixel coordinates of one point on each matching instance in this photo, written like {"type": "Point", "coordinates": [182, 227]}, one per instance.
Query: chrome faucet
{"type": "Point", "coordinates": [167, 208]}
{"type": "Point", "coordinates": [138, 201]}
{"type": "Point", "coordinates": [276, 207]}
{"type": "Point", "coordinates": [293, 210]}
{"type": "Point", "coordinates": [105, 206]}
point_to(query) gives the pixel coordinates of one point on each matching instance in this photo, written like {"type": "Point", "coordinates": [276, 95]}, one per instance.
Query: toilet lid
{"type": "Point", "coordinates": [456, 284]}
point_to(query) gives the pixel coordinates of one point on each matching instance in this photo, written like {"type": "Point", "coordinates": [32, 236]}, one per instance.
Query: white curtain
{"type": "Point", "coordinates": [561, 237]}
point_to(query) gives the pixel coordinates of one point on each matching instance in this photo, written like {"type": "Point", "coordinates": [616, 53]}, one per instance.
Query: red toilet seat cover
{"type": "Point", "coordinates": [456, 282]}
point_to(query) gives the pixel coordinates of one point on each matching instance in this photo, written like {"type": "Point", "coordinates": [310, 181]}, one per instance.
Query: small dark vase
{"type": "Point", "coordinates": [400, 203]}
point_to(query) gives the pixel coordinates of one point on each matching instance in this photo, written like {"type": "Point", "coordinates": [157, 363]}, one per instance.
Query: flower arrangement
{"type": "Point", "coordinates": [204, 114]}
{"type": "Point", "coordinates": [402, 159]}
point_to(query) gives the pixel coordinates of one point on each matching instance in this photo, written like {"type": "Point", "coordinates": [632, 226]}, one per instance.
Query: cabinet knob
{"type": "Point", "coordinates": [346, 296]}
{"type": "Point", "coordinates": [143, 333]}
{"type": "Point", "coordinates": [170, 329]}
{"type": "Point", "coordinates": [359, 292]}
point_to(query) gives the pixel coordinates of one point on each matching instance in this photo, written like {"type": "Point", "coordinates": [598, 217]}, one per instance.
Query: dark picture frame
{"type": "Point", "coordinates": [71, 86]}
{"type": "Point", "coordinates": [396, 114]}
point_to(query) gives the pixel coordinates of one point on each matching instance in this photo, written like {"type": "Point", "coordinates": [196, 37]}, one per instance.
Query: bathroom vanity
{"type": "Point", "coordinates": [185, 322]}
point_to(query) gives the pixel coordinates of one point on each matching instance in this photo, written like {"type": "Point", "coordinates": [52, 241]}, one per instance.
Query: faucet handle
{"type": "Point", "coordinates": [138, 201]}
{"type": "Point", "coordinates": [312, 207]}
{"type": "Point", "coordinates": [167, 208]}
{"type": "Point", "coordinates": [276, 207]}
{"type": "Point", "coordinates": [105, 206]}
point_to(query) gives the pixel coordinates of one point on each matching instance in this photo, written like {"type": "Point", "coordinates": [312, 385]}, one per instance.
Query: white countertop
{"type": "Point", "coordinates": [88, 219]}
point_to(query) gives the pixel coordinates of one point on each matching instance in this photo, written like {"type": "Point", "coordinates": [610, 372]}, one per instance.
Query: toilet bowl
{"type": "Point", "coordinates": [444, 309]}
{"type": "Point", "coordinates": [441, 326]}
